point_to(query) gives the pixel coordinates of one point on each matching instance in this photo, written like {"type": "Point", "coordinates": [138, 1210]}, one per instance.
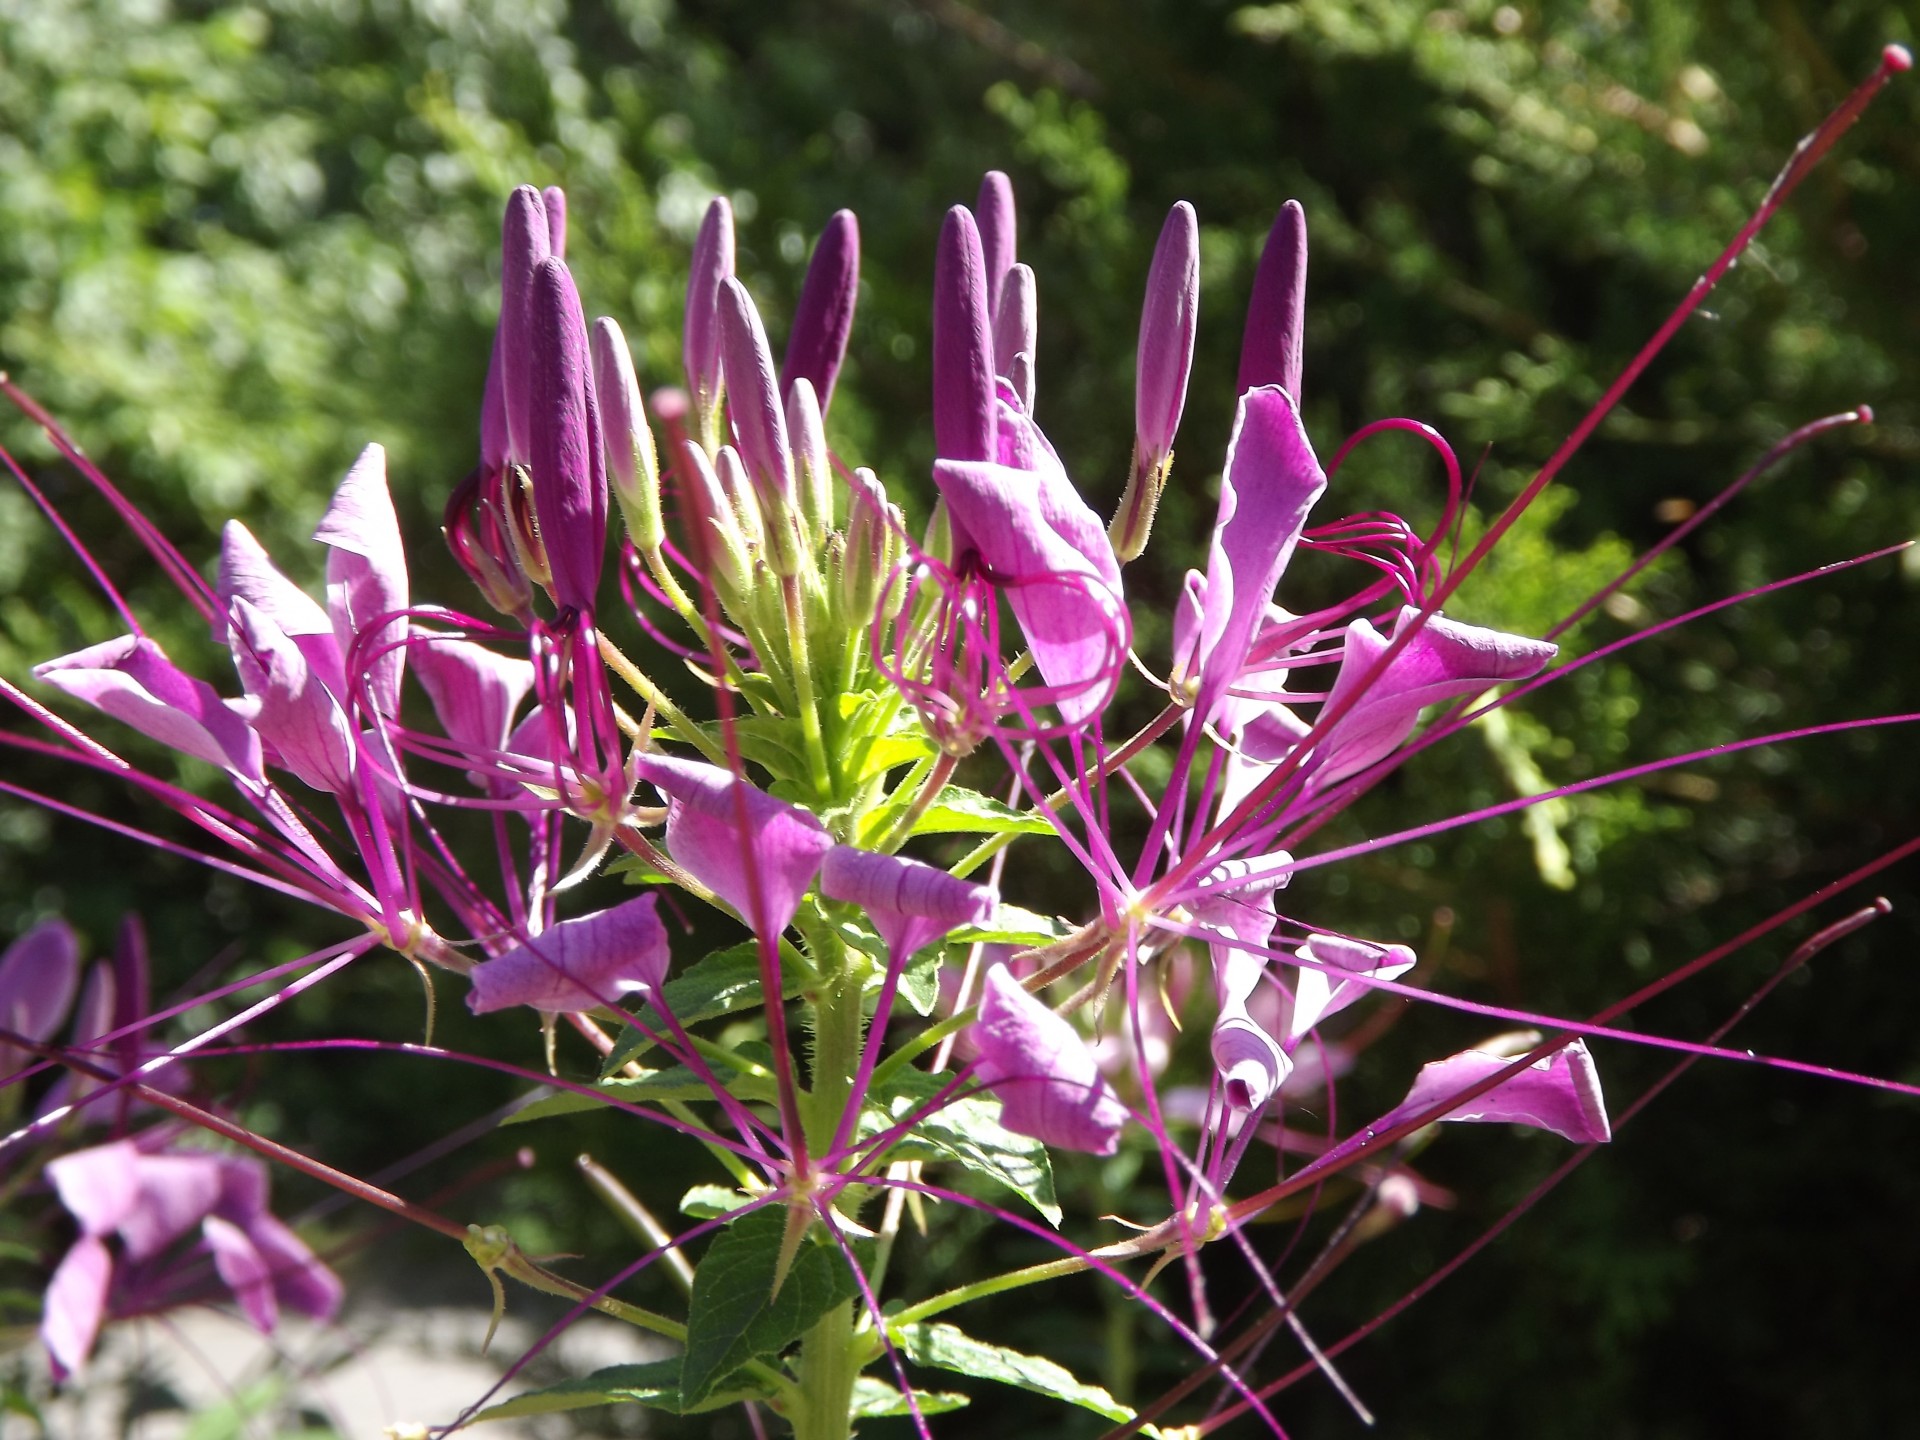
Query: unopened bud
{"type": "Point", "coordinates": [1271, 352]}
{"type": "Point", "coordinates": [712, 264]}
{"type": "Point", "coordinates": [569, 468]}
{"type": "Point", "coordinates": [963, 398]}
{"type": "Point", "coordinates": [815, 471]}
{"type": "Point", "coordinates": [995, 216]}
{"type": "Point", "coordinates": [1164, 362]}
{"type": "Point", "coordinates": [869, 546]}
{"type": "Point", "coordinates": [760, 425]}
{"type": "Point", "coordinates": [823, 319]}
{"type": "Point", "coordinates": [738, 490]}
{"type": "Point", "coordinates": [720, 551]}
{"type": "Point", "coordinates": [633, 466]}
{"type": "Point", "coordinates": [525, 242]}
{"type": "Point", "coordinates": [1016, 327]}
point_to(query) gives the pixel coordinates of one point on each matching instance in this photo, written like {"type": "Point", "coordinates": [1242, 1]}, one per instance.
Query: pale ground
{"type": "Point", "coordinates": [379, 1368]}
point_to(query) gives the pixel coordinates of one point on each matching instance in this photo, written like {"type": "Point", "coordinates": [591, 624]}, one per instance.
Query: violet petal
{"type": "Point", "coordinates": [367, 576]}
{"type": "Point", "coordinates": [1046, 1077]}
{"type": "Point", "coordinates": [1560, 1092]}
{"type": "Point", "coordinates": [76, 1303]}
{"type": "Point", "coordinates": [910, 903]}
{"type": "Point", "coordinates": [579, 963]}
{"type": "Point", "coordinates": [132, 680]}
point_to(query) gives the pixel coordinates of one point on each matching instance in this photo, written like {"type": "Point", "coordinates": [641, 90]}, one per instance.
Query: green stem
{"type": "Point", "coordinates": [979, 1290]}
{"type": "Point", "coordinates": [805, 701]}
{"type": "Point", "coordinates": [828, 1367]}
{"type": "Point", "coordinates": [664, 707]}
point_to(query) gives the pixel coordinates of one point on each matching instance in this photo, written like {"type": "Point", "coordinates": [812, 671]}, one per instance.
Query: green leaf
{"type": "Point", "coordinates": [958, 811]}
{"type": "Point", "coordinates": [675, 1082]}
{"type": "Point", "coordinates": [920, 980]}
{"type": "Point", "coordinates": [734, 1316]}
{"type": "Point", "coordinates": [636, 871]}
{"type": "Point", "coordinates": [704, 1202]}
{"type": "Point", "coordinates": [875, 1399]}
{"type": "Point", "coordinates": [1013, 926]}
{"type": "Point", "coordinates": [716, 984]}
{"type": "Point", "coordinates": [655, 1384]}
{"type": "Point", "coordinates": [944, 1347]}
{"type": "Point", "coordinates": [967, 1132]}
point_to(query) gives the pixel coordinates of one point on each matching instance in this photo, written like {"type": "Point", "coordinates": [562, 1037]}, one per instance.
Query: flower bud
{"type": "Point", "coordinates": [712, 263]}
{"type": "Point", "coordinates": [1016, 328]}
{"type": "Point", "coordinates": [810, 460]}
{"type": "Point", "coordinates": [555, 201]}
{"type": "Point", "coordinates": [720, 550]}
{"type": "Point", "coordinates": [633, 467]}
{"type": "Point", "coordinates": [1164, 362]}
{"type": "Point", "coordinates": [760, 424]}
{"type": "Point", "coordinates": [524, 243]}
{"type": "Point", "coordinates": [824, 317]}
{"type": "Point", "coordinates": [569, 470]}
{"type": "Point", "coordinates": [963, 396]}
{"type": "Point", "coordinates": [1271, 352]}
{"type": "Point", "coordinates": [869, 547]}
{"type": "Point", "coordinates": [995, 217]}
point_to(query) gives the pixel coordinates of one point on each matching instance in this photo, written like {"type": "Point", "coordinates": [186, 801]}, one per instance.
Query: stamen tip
{"type": "Point", "coordinates": [1896, 58]}
{"type": "Point", "coordinates": [1865, 413]}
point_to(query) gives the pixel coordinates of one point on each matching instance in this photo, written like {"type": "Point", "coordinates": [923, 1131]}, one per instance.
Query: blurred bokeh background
{"type": "Point", "coordinates": [239, 241]}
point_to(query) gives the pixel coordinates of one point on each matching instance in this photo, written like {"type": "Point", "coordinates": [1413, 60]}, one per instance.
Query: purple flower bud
{"type": "Point", "coordinates": [870, 546]}
{"type": "Point", "coordinates": [731, 471]}
{"type": "Point", "coordinates": [759, 422]}
{"type": "Point", "coordinates": [824, 317]}
{"type": "Point", "coordinates": [720, 550]}
{"type": "Point", "coordinates": [1271, 352]}
{"type": "Point", "coordinates": [712, 263]}
{"type": "Point", "coordinates": [579, 963]}
{"type": "Point", "coordinates": [815, 470]}
{"type": "Point", "coordinates": [1165, 360]}
{"type": "Point", "coordinates": [633, 466]}
{"type": "Point", "coordinates": [555, 200]}
{"type": "Point", "coordinates": [1047, 1079]}
{"type": "Point", "coordinates": [38, 975]}
{"type": "Point", "coordinates": [1016, 329]}
{"type": "Point", "coordinates": [1560, 1092]}
{"type": "Point", "coordinates": [997, 233]}
{"type": "Point", "coordinates": [367, 576]}
{"type": "Point", "coordinates": [911, 904]}
{"type": "Point", "coordinates": [963, 392]}
{"type": "Point", "coordinates": [525, 242]}
{"type": "Point", "coordinates": [132, 680]}
{"type": "Point", "coordinates": [569, 474]}
{"type": "Point", "coordinates": [756, 853]}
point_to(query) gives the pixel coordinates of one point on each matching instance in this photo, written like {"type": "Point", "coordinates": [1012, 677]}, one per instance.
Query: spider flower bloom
{"type": "Point", "coordinates": [579, 963]}
{"type": "Point", "coordinates": [1047, 1079]}
{"type": "Point", "coordinates": [715, 821]}
{"type": "Point", "coordinates": [1168, 323]}
{"type": "Point", "coordinates": [151, 1200]}
{"type": "Point", "coordinates": [1559, 1092]}
{"type": "Point", "coordinates": [823, 318]}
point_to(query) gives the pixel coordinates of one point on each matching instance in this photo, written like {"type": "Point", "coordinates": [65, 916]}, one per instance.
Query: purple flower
{"type": "Point", "coordinates": [367, 576]}
{"type": "Point", "coordinates": [911, 904]}
{"type": "Point", "coordinates": [151, 1200]}
{"type": "Point", "coordinates": [292, 707]}
{"type": "Point", "coordinates": [38, 976]}
{"type": "Point", "coordinates": [1271, 352]}
{"type": "Point", "coordinates": [132, 680]}
{"type": "Point", "coordinates": [823, 318]}
{"type": "Point", "coordinates": [579, 963]}
{"type": "Point", "coordinates": [1559, 1092]}
{"type": "Point", "coordinates": [756, 853]}
{"type": "Point", "coordinates": [1271, 481]}
{"type": "Point", "coordinates": [1047, 1079]}
{"type": "Point", "coordinates": [474, 691]}
{"type": "Point", "coordinates": [1319, 989]}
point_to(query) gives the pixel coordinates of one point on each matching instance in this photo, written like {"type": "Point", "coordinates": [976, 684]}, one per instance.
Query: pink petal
{"type": "Point", "coordinates": [1047, 1079]}
{"type": "Point", "coordinates": [297, 713]}
{"type": "Point", "coordinates": [300, 1281]}
{"type": "Point", "coordinates": [911, 904]}
{"type": "Point", "coordinates": [1318, 993]}
{"type": "Point", "coordinates": [38, 975]}
{"type": "Point", "coordinates": [367, 575]}
{"type": "Point", "coordinates": [579, 963]}
{"type": "Point", "coordinates": [1560, 1092]}
{"type": "Point", "coordinates": [474, 690]}
{"type": "Point", "coordinates": [76, 1303]}
{"type": "Point", "coordinates": [245, 1272]}
{"type": "Point", "coordinates": [248, 573]}
{"type": "Point", "coordinates": [132, 680]}
{"type": "Point", "coordinates": [176, 1193]}
{"type": "Point", "coordinates": [100, 1186]}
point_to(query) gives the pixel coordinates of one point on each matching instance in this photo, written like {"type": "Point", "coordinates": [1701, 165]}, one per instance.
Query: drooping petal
{"type": "Point", "coordinates": [76, 1303]}
{"type": "Point", "coordinates": [1271, 480]}
{"type": "Point", "coordinates": [301, 1282]}
{"type": "Point", "coordinates": [910, 903]}
{"type": "Point", "coordinates": [38, 976]}
{"type": "Point", "coordinates": [712, 263]}
{"type": "Point", "coordinates": [717, 824]}
{"type": "Point", "coordinates": [1046, 1077]}
{"type": "Point", "coordinates": [132, 680]}
{"type": "Point", "coordinates": [294, 711]}
{"type": "Point", "coordinates": [1318, 993]}
{"type": "Point", "coordinates": [569, 474]}
{"type": "Point", "coordinates": [823, 318]}
{"type": "Point", "coordinates": [367, 576]}
{"type": "Point", "coordinates": [1272, 351]}
{"type": "Point", "coordinates": [244, 1271]}
{"type": "Point", "coordinates": [176, 1193]}
{"type": "Point", "coordinates": [1560, 1092]}
{"type": "Point", "coordinates": [1236, 902]}
{"type": "Point", "coordinates": [579, 963]}
{"type": "Point", "coordinates": [1443, 661]}
{"type": "Point", "coordinates": [243, 1190]}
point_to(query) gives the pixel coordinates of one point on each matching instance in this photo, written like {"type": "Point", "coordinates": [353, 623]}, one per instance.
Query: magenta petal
{"type": "Point", "coordinates": [712, 263]}
{"type": "Point", "coordinates": [525, 241]}
{"type": "Point", "coordinates": [1047, 1079]}
{"type": "Point", "coordinates": [579, 963]}
{"type": "Point", "coordinates": [823, 318]}
{"type": "Point", "coordinates": [367, 576]}
{"type": "Point", "coordinates": [1318, 993]}
{"type": "Point", "coordinates": [248, 573]}
{"type": "Point", "coordinates": [76, 1303]}
{"type": "Point", "coordinates": [100, 1186]}
{"type": "Point", "coordinates": [1560, 1093]}
{"type": "Point", "coordinates": [474, 690]}
{"type": "Point", "coordinates": [301, 1282]}
{"type": "Point", "coordinates": [244, 1271]}
{"type": "Point", "coordinates": [911, 904]}
{"type": "Point", "coordinates": [1444, 661]}
{"type": "Point", "coordinates": [1271, 480]}
{"type": "Point", "coordinates": [243, 1190]}
{"type": "Point", "coordinates": [569, 473]}
{"type": "Point", "coordinates": [714, 821]}
{"type": "Point", "coordinates": [963, 391]}
{"type": "Point", "coordinates": [38, 975]}
{"type": "Point", "coordinates": [295, 711]}
{"type": "Point", "coordinates": [132, 680]}
{"type": "Point", "coordinates": [1251, 1063]}
{"type": "Point", "coordinates": [176, 1193]}
{"type": "Point", "coordinates": [1271, 352]}
{"type": "Point", "coordinates": [1050, 554]}
{"type": "Point", "coordinates": [93, 1018]}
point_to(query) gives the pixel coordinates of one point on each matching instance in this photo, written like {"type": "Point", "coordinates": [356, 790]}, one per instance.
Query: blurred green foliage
{"type": "Point", "coordinates": [242, 240]}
